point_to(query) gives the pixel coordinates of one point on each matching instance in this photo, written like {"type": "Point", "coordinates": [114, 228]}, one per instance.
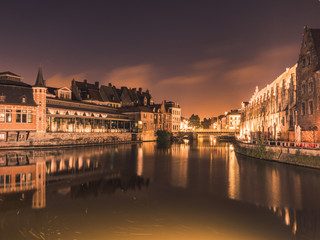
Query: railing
{"type": "Point", "coordinates": [307, 145]}
{"type": "Point", "coordinates": [214, 131]}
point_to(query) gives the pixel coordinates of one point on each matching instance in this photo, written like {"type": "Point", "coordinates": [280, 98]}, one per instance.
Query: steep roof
{"type": "Point", "coordinates": [13, 92]}
{"type": "Point", "coordinates": [109, 93]}
{"type": "Point", "coordinates": [315, 33]}
{"type": "Point", "coordinates": [9, 73]}
{"type": "Point", "coordinates": [86, 91]}
{"type": "Point", "coordinates": [136, 109]}
{"type": "Point", "coordinates": [39, 81]}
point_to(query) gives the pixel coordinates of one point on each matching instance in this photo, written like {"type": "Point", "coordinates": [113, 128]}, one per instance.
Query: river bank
{"type": "Point", "coordinates": [288, 155]}
{"type": "Point", "coordinates": [54, 140]}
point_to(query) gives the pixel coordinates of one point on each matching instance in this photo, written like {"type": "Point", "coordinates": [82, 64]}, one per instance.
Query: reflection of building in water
{"type": "Point", "coordinates": [108, 185]}
{"type": "Point", "coordinates": [140, 161]}
{"type": "Point", "coordinates": [39, 197]}
{"type": "Point", "coordinates": [233, 174]}
{"type": "Point", "coordinates": [19, 174]}
{"type": "Point", "coordinates": [179, 163]}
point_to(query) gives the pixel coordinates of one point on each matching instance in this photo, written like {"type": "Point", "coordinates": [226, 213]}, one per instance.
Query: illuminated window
{"type": "Point", "coordinates": [2, 115]}
{"type": "Point", "coordinates": [2, 98]}
{"type": "Point", "coordinates": [8, 115]}
{"type": "Point", "coordinates": [29, 116]}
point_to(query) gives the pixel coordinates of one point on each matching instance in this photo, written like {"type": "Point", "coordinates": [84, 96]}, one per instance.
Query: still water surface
{"type": "Point", "coordinates": [198, 191]}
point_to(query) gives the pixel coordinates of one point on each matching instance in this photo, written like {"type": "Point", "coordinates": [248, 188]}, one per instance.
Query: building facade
{"type": "Point", "coordinates": [271, 112]}
{"type": "Point", "coordinates": [308, 84]}
{"type": "Point", "coordinates": [18, 108]}
{"type": "Point", "coordinates": [82, 108]}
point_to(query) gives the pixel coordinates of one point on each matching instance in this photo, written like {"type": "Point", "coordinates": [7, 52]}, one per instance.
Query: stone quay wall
{"type": "Point", "coordinates": [69, 139]}
{"type": "Point", "coordinates": [288, 155]}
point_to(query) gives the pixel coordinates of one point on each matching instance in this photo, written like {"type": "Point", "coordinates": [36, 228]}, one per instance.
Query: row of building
{"type": "Point", "coordinates": [81, 108]}
{"type": "Point", "coordinates": [288, 108]}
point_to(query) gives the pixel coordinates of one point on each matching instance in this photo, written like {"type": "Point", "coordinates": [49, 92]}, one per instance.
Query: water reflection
{"type": "Point", "coordinates": [58, 183]}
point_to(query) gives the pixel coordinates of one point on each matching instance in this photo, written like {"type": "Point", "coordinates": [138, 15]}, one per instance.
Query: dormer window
{"type": "Point", "coordinates": [2, 98]}
{"type": "Point", "coordinates": [23, 99]}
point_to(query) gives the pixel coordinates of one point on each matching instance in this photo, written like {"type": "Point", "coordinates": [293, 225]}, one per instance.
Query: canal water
{"type": "Point", "coordinates": [189, 191]}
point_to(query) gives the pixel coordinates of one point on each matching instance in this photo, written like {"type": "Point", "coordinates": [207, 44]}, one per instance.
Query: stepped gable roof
{"type": "Point", "coordinates": [40, 81]}
{"type": "Point", "coordinates": [88, 91]}
{"type": "Point", "coordinates": [315, 33]}
{"type": "Point", "coordinates": [134, 96]}
{"type": "Point", "coordinates": [16, 93]}
{"type": "Point", "coordinates": [110, 94]}
{"type": "Point", "coordinates": [143, 95]}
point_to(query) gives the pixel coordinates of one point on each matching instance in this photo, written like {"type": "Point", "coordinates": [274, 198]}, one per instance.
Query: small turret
{"type": "Point", "coordinates": [40, 81]}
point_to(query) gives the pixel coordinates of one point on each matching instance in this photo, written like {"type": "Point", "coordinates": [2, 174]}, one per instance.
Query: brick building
{"type": "Point", "coordinates": [308, 85]}
{"type": "Point", "coordinates": [18, 108]}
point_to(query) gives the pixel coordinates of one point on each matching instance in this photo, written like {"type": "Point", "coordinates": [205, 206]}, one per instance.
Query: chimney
{"type": "Point", "coordinates": [147, 91]}
{"type": "Point", "coordinates": [140, 90]}
{"type": "Point", "coordinates": [134, 89]}
{"type": "Point", "coordinates": [109, 84]}
{"type": "Point", "coordinates": [85, 81]}
{"type": "Point", "coordinates": [96, 84]}
{"type": "Point", "coordinates": [122, 88]}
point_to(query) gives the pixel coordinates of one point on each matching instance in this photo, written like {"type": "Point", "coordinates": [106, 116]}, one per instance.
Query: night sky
{"type": "Point", "coordinates": [206, 55]}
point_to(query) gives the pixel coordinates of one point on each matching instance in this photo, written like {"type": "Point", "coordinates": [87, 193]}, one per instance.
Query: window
{"type": "Point", "coordinates": [303, 89]}
{"type": "Point", "coordinates": [18, 179]}
{"type": "Point", "coordinates": [303, 109]}
{"type": "Point", "coordinates": [23, 99]}
{"type": "Point", "coordinates": [8, 180]}
{"type": "Point", "coordinates": [310, 87]}
{"type": "Point", "coordinates": [2, 115]}
{"type": "Point", "coordinates": [145, 115]}
{"type": "Point", "coordinates": [29, 116]}
{"type": "Point", "coordinates": [311, 107]}
{"type": "Point", "coordinates": [8, 115]}
{"type": "Point", "coordinates": [22, 116]}
{"type": "Point", "coordinates": [2, 98]}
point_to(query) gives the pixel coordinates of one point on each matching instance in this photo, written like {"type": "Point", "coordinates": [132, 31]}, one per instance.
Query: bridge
{"type": "Point", "coordinates": [195, 134]}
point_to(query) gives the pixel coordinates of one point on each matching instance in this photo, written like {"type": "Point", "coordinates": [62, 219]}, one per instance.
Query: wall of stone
{"type": "Point", "coordinates": [288, 150]}
{"type": "Point", "coordinates": [64, 139]}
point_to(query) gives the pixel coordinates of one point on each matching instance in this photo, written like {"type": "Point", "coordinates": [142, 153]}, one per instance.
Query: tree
{"type": "Point", "coordinates": [194, 121]}
{"type": "Point", "coordinates": [206, 123]}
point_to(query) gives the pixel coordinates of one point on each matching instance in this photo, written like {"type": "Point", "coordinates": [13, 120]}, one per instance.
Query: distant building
{"type": "Point", "coordinates": [174, 111]}
{"type": "Point", "coordinates": [233, 120]}
{"type": "Point", "coordinates": [143, 117]}
{"type": "Point", "coordinates": [271, 111]}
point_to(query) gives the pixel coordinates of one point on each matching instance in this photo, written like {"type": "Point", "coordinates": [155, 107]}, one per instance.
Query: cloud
{"type": "Point", "coordinates": [213, 86]}
{"type": "Point", "coordinates": [208, 64]}
{"type": "Point", "coordinates": [131, 76]}
{"type": "Point", "coordinates": [184, 80]}
{"type": "Point", "coordinates": [60, 80]}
